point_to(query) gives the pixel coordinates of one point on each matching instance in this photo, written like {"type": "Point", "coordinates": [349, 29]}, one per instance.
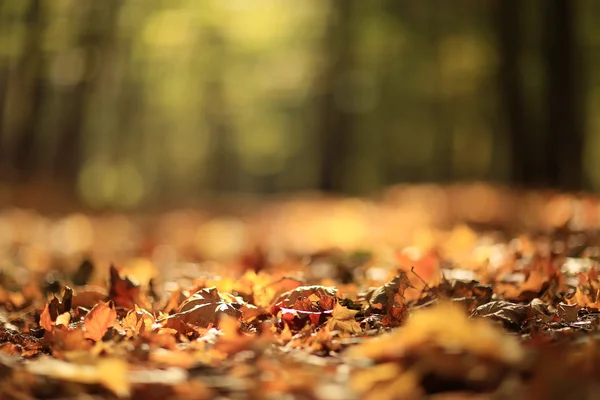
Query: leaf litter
{"type": "Point", "coordinates": [330, 325]}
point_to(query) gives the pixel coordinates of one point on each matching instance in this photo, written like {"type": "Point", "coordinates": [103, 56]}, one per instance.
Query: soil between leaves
{"type": "Point", "coordinates": [519, 322]}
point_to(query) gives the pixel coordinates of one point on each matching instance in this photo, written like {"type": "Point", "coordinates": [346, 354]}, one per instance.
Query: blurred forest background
{"type": "Point", "coordinates": [128, 103]}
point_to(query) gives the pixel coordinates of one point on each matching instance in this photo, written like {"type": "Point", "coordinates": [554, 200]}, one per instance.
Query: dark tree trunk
{"type": "Point", "coordinates": [335, 128]}
{"type": "Point", "coordinates": [439, 107]}
{"type": "Point", "coordinates": [564, 123]}
{"type": "Point", "coordinates": [30, 71]}
{"type": "Point", "coordinates": [524, 170]}
{"type": "Point", "coordinates": [3, 95]}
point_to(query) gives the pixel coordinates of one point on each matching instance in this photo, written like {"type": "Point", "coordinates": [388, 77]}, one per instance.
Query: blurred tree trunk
{"type": "Point", "coordinates": [439, 106]}
{"type": "Point", "coordinates": [524, 171]}
{"type": "Point", "coordinates": [3, 95]}
{"type": "Point", "coordinates": [222, 161]}
{"type": "Point", "coordinates": [564, 108]}
{"type": "Point", "coordinates": [335, 124]}
{"type": "Point", "coordinates": [97, 38]}
{"type": "Point", "coordinates": [30, 73]}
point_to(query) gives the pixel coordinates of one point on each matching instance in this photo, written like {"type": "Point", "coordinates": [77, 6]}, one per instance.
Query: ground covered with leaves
{"type": "Point", "coordinates": [474, 314]}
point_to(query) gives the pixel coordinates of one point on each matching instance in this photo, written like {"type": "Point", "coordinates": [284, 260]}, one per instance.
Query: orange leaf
{"type": "Point", "coordinates": [99, 319]}
{"type": "Point", "coordinates": [46, 319]}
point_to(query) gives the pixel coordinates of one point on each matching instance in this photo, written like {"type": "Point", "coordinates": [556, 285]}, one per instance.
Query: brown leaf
{"type": "Point", "coordinates": [327, 303]}
{"type": "Point", "coordinates": [288, 299]}
{"type": "Point", "coordinates": [428, 327]}
{"type": "Point", "coordinates": [88, 296]}
{"type": "Point", "coordinates": [62, 338]}
{"type": "Point", "coordinates": [383, 296]}
{"type": "Point", "coordinates": [511, 314]}
{"type": "Point", "coordinates": [123, 292]}
{"type": "Point", "coordinates": [303, 304]}
{"type": "Point", "coordinates": [568, 313]}
{"type": "Point", "coordinates": [99, 319]}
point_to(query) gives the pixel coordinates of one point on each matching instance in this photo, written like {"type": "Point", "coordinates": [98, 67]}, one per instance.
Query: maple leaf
{"type": "Point", "coordinates": [389, 300]}
{"type": "Point", "coordinates": [201, 310]}
{"type": "Point", "coordinates": [535, 283]}
{"type": "Point", "coordinates": [342, 318]}
{"type": "Point", "coordinates": [101, 317]}
{"type": "Point", "coordinates": [123, 292]}
{"type": "Point", "coordinates": [383, 294]}
{"type": "Point", "coordinates": [135, 322]}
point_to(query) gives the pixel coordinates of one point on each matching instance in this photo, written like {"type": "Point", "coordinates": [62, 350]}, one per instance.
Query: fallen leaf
{"type": "Point", "coordinates": [123, 292]}
{"type": "Point", "coordinates": [511, 314]}
{"type": "Point", "coordinates": [288, 299]}
{"type": "Point", "coordinates": [63, 319]}
{"type": "Point", "coordinates": [430, 326]}
{"type": "Point", "coordinates": [45, 319]}
{"type": "Point", "coordinates": [342, 318]}
{"type": "Point", "coordinates": [111, 373]}
{"type": "Point", "coordinates": [99, 319]}
{"type": "Point", "coordinates": [568, 312]}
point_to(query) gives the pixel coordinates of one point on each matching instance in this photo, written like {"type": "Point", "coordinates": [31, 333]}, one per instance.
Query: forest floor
{"type": "Point", "coordinates": [444, 293]}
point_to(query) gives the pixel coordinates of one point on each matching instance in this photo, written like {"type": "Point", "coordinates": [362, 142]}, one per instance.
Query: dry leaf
{"type": "Point", "coordinates": [111, 373]}
{"type": "Point", "coordinates": [342, 319]}
{"type": "Point", "coordinates": [45, 319]}
{"type": "Point", "coordinates": [63, 319]}
{"type": "Point", "coordinates": [99, 319]}
{"type": "Point", "coordinates": [433, 326]}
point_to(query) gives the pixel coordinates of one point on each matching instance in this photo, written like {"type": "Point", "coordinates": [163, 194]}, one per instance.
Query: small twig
{"type": "Point", "coordinates": [412, 269]}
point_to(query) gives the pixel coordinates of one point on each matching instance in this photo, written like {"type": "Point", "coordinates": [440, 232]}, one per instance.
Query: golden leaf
{"type": "Point", "coordinates": [342, 318]}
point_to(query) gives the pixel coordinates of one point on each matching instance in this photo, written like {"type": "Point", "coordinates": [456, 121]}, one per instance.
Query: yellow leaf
{"type": "Point", "coordinates": [342, 318]}
{"type": "Point", "coordinates": [340, 312]}
{"type": "Point", "coordinates": [112, 374]}
{"type": "Point", "coordinates": [430, 326]}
